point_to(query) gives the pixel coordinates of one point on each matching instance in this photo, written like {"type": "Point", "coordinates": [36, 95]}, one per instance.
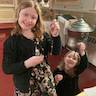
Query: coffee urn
{"type": "Point", "coordinates": [78, 31]}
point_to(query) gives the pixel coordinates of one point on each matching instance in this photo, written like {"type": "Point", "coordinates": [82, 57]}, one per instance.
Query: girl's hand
{"type": "Point", "coordinates": [82, 47]}
{"type": "Point", "coordinates": [58, 78]}
{"type": "Point", "coordinates": [33, 61]}
{"type": "Point", "coordinates": [54, 28]}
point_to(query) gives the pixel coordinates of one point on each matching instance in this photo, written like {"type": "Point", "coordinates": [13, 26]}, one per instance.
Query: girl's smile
{"type": "Point", "coordinates": [27, 18]}
{"type": "Point", "coordinates": [71, 60]}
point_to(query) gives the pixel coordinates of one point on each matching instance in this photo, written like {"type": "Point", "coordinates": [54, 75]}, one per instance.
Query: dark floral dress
{"type": "Point", "coordinates": [43, 82]}
{"type": "Point", "coordinates": [34, 81]}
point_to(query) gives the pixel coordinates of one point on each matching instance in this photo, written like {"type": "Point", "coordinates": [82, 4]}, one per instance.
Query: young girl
{"type": "Point", "coordinates": [67, 73]}
{"type": "Point", "coordinates": [26, 51]}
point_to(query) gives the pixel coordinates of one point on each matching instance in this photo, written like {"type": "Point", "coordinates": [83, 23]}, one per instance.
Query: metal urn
{"type": "Point", "coordinates": [77, 30]}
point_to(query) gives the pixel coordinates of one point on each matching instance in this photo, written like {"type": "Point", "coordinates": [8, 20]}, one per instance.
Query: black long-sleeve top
{"type": "Point", "coordinates": [68, 86]}
{"type": "Point", "coordinates": [17, 49]}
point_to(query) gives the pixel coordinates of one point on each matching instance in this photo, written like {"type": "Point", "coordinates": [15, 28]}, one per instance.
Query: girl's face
{"type": "Point", "coordinates": [27, 18]}
{"type": "Point", "coordinates": [71, 59]}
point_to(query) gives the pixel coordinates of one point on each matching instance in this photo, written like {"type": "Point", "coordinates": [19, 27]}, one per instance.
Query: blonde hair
{"type": "Point", "coordinates": [61, 66]}
{"type": "Point", "coordinates": [39, 27]}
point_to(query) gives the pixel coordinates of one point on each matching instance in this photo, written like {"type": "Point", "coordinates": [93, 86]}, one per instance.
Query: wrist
{"type": "Point", "coordinates": [25, 64]}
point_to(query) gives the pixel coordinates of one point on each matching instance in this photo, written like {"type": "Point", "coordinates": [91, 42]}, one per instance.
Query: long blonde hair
{"type": "Point", "coordinates": [39, 27]}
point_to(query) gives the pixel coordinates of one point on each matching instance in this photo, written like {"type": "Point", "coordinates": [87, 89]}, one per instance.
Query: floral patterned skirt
{"type": "Point", "coordinates": [41, 82]}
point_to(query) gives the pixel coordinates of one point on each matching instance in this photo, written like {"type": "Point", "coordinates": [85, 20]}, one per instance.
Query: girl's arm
{"type": "Point", "coordinates": [56, 41]}
{"type": "Point", "coordinates": [83, 64]}
{"type": "Point", "coordinates": [84, 60]}
{"type": "Point", "coordinates": [56, 47]}
{"type": "Point", "coordinates": [58, 76]}
{"type": "Point", "coordinates": [52, 44]}
{"type": "Point", "coordinates": [10, 64]}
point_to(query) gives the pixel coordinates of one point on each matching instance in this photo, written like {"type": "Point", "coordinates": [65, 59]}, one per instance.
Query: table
{"type": "Point", "coordinates": [81, 94]}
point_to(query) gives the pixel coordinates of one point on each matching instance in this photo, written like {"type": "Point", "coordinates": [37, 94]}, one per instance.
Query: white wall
{"type": "Point", "coordinates": [88, 4]}
{"type": "Point", "coordinates": [83, 8]}
{"type": "Point", "coordinates": [79, 5]}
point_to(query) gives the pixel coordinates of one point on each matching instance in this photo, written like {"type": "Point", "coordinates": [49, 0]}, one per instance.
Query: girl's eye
{"type": "Point", "coordinates": [25, 14]}
{"type": "Point", "coordinates": [74, 59]}
{"type": "Point", "coordinates": [33, 17]}
{"type": "Point", "coordinates": [69, 56]}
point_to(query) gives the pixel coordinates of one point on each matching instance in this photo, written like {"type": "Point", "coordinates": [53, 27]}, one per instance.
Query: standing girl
{"type": "Point", "coordinates": [67, 73]}
{"type": "Point", "coordinates": [26, 51]}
